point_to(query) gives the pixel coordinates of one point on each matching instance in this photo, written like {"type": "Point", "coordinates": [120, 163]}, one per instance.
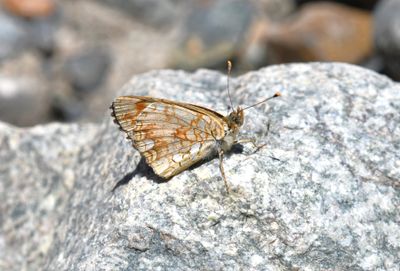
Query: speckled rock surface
{"type": "Point", "coordinates": [37, 175]}
{"type": "Point", "coordinates": [324, 193]}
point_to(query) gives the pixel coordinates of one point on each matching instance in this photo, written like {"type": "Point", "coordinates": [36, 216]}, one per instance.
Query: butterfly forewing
{"type": "Point", "coordinates": [171, 136]}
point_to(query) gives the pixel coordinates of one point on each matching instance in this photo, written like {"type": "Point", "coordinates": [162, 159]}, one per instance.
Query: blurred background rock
{"type": "Point", "coordinates": [64, 60]}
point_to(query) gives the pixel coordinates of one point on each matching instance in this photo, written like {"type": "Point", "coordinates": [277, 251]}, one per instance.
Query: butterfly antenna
{"type": "Point", "coordinates": [277, 94]}
{"type": "Point", "coordinates": [228, 79]}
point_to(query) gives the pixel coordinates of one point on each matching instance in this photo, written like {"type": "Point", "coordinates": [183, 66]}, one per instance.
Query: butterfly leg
{"type": "Point", "coordinates": [253, 142]}
{"type": "Point", "coordinates": [221, 168]}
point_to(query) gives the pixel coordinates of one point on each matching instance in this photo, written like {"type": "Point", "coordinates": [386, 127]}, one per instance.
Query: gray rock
{"type": "Point", "coordinates": [18, 34]}
{"type": "Point", "coordinates": [13, 36]}
{"type": "Point", "coordinates": [387, 35]}
{"type": "Point", "coordinates": [158, 13]}
{"type": "Point", "coordinates": [88, 69]}
{"type": "Point", "coordinates": [214, 31]}
{"type": "Point", "coordinates": [67, 108]}
{"type": "Point", "coordinates": [37, 176]}
{"type": "Point", "coordinates": [42, 33]}
{"type": "Point", "coordinates": [329, 203]}
{"type": "Point", "coordinates": [24, 100]}
{"type": "Point", "coordinates": [276, 9]}
{"type": "Point", "coordinates": [210, 35]}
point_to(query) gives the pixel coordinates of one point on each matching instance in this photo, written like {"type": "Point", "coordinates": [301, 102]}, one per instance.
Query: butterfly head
{"type": "Point", "coordinates": [236, 118]}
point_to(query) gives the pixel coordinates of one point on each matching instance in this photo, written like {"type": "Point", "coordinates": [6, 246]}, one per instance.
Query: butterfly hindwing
{"type": "Point", "coordinates": [171, 136]}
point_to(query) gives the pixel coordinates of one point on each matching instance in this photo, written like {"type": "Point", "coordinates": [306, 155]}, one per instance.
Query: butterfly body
{"type": "Point", "coordinates": [173, 136]}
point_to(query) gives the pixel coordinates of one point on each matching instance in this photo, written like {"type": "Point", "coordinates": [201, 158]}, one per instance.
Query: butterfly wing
{"type": "Point", "coordinates": [171, 136]}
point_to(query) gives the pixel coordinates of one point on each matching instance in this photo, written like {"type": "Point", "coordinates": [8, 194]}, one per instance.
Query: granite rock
{"type": "Point", "coordinates": [323, 195]}
{"type": "Point", "coordinates": [37, 176]}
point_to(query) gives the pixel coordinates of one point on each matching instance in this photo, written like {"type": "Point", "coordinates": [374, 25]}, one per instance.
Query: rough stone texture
{"type": "Point", "coordinates": [331, 201]}
{"type": "Point", "coordinates": [37, 176]}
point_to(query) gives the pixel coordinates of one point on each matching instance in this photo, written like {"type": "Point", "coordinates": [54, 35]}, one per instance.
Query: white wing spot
{"type": "Point", "coordinates": [177, 157]}
{"type": "Point", "coordinates": [158, 107]}
{"type": "Point", "coordinates": [148, 144]}
{"type": "Point", "coordinates": [161, 166]}
{"type": "Point", "coordinates": [195, 149]}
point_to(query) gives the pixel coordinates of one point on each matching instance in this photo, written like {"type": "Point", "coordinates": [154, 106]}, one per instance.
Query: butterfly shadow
{"type": "Point", "coordinates": [142, 169]}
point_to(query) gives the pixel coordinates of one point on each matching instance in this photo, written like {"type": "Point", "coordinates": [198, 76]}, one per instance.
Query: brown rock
{"type": "Point", "coordinates": [322, 32]}
{"type": "Point", "coordinates": [30, 8]}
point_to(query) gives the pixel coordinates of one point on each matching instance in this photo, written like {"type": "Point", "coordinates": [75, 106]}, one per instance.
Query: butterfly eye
{"type": "Point", "coordinates": [236, 117]}
{"type": "Point", "coordinates": [239, 120]}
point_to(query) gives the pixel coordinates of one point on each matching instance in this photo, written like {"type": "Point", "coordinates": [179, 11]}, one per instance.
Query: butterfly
{"type": "Point", "coordinates": [172, 136]}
